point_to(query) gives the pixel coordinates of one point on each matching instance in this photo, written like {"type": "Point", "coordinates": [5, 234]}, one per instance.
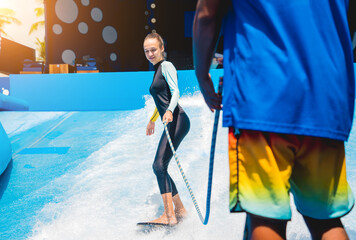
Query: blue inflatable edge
{"type": "Point", "coordinates": [5, 150]}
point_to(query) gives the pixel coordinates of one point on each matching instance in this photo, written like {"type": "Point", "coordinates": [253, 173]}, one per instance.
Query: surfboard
{"type": "Point", "coordinates": [147, 227]}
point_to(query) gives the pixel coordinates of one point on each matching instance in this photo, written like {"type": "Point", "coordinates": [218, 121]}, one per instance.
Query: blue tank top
{"type": "Point", "coordinates": [288, 67]}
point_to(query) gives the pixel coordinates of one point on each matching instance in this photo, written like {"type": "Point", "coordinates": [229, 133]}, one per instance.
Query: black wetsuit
{"type": "Point", "coordinates": [178, 129]}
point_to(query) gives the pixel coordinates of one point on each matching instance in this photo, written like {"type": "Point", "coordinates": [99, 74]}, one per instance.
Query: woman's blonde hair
{"type": "Point", "coordinates": [156, 36]}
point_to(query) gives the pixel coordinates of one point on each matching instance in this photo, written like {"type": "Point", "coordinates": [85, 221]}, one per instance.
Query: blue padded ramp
{"type": "Point", "coordinates": [8, 103]}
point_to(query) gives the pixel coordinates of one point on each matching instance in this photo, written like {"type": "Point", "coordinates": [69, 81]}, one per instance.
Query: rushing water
{"type": "Point", "coordinates": [104, 184]}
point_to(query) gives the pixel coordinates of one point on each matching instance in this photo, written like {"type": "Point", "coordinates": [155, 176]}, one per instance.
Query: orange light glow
{"type": "Point", "coordinates": [24, 12]}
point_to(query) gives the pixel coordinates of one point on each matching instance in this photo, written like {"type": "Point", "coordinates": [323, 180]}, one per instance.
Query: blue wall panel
{"type": "Point", "coordinates": [4, 83]}
{"type": "Point", "coordinates": [93, 91]}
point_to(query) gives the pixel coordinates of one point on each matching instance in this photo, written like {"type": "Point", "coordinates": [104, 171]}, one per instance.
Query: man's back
{"type": "Point", "coordinates": [290, 67]}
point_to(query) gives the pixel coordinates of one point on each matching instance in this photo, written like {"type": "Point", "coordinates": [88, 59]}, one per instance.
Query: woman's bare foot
{"type": "Point", "coordinates": [168, 217]}
{"type": "Point", "coordinates": [164, 219]}
{"type": "Point", "coordinates": [179, 210]}
{"type": "Point", "coordinates": [180, 214]}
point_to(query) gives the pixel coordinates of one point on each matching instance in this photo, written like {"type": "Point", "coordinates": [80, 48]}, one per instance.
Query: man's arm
{"type": "Point", "coordinates": [206, 28]}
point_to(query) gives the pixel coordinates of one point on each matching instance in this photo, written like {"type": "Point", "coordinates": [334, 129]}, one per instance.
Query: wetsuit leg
{"type": "Point", "coordinates": [177, 129]}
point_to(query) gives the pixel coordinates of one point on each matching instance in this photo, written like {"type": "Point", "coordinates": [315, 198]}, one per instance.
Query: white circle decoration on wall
{"type": "Point", "coordinates": [57, 29]}
{"type": "Point", "coordinates": [109, 34]}
{"type": "Point", "coordinates": [85, 2]}
{"type": "Point", "coordinates": [66, 10]}
{"type": "Point", "coordinates": [113, 57]}
{"type": "Point", "coordinates": [83, 27]}
{"type": "Point", "coordinates": [96, 14]}
{"type": "Point", "coordinates": [68, 56]}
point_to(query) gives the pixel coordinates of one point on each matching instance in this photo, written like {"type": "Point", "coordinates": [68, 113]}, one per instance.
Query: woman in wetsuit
{"type": "Point", "coordinates": [164, 90]}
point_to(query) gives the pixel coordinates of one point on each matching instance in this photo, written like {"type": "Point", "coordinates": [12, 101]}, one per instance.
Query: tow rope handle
{"type": "Point", "coordinates": [211, 164]}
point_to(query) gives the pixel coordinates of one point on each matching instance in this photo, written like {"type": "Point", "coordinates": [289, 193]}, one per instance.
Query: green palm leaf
{"type": "Point", "coordinates": [39, 12]}
{"type": "Point", "coordinates": [36, 26]}
{"type": "Point", "coordinates": [7, 17]}
{"type": "Point", "coordinates": [41, 48]}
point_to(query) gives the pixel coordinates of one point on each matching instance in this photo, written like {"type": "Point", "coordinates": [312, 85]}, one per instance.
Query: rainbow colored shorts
{"type": "Point", "coordinates": [265, 167]}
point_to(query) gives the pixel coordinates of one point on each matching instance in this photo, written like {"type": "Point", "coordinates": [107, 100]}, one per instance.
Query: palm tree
{"type": "Point", "coordinates": [41, 45]}
{"type": "Point", "coordinates": [41, 49]}
{"type": "Point", "coordinates": [39, 13]}
{"type": "Point", "coordinates": [7, 17]}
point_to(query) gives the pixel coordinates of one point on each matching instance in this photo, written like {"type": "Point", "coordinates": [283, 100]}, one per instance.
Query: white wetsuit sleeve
{"type": "Point", "coordinates": [169, 72]}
